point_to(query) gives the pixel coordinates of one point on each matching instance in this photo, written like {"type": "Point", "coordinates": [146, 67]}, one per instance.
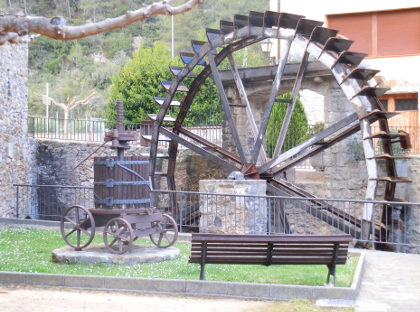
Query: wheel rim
{"type": "Point", "coordinates": [81, 231]}
{"type": "Point", "coordinates": [161, 238]}
{"type": "Point", "coordinates": [321, 43]}
{"type": "Point", "coordinates": [118, 235]}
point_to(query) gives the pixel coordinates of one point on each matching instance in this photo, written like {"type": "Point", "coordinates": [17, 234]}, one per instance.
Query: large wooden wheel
{"type": "Point", "coordinates": [77, 227]}
{"type": "Point", "coordinates": [329, 51]}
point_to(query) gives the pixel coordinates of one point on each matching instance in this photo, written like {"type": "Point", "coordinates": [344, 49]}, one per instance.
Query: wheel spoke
{"type": "Point", "coordinates": [245, 102]}
{"type": "Point", "coordinates": [226, 107]}
{"type": "Point", "coordinates": [70, 220]}
{"type": "Point", "coordinates": [160, 239]}
{"type": "Point", "coordinates": [166, 236]}
{"type": "Point", "coordinates": [77, 215]}
{"type": "Point", "coordinates": [69, 233]}
{"type": "Point", "coordinates": [85, 232]}
{"type": "Point", "coordinates": [269, 105]}
{"type": "Point", "coordinates": [84, 221]}
{"type": "Point", "coordinates": [290, 108]}
{"type": "Point", "coordinates": [78, 238]}
{"type": "Point", "coordinates": [113, 242]}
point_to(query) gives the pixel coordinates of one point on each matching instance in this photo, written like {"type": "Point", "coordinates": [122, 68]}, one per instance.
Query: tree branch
{"type": "Point", "coordinates": [13, 26]}
{"type": "Point", "coordinates": [85, 101]}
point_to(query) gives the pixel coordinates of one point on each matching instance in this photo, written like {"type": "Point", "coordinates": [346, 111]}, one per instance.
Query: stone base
{"type": "Point", "coordinates": [238, 213]}
{"type": "Point", "coordinates": [98, 253]}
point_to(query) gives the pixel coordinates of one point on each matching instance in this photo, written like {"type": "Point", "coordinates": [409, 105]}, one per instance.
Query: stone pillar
{"type": "Point", "coordinates": [239, 214]}
{"type": "Point", "coordinates": [16, 158]}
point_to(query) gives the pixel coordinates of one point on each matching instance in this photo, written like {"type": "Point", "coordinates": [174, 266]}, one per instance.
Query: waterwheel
{"type": "Point", "coordinates": [322, 47]}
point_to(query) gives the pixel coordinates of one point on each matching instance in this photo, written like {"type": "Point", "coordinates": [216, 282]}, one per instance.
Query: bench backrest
{"type": "Point", "coordinates": [269, 249]}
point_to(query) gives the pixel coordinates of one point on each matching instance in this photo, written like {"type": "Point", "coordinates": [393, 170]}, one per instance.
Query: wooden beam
{"type": "Point", "coordinates": [226, 107]}
{"type": "Point", "coordinates": [217, 160]}
{"type": "Point", "coordinates": [207, 143]}
{"type": "Point", "coordinates": [291, 106]}
{"type": "Point", "coordinates": [347, 132]}
{"type": "Point", "coordinates": [291, 153]}
{"type": "Point", "coordinates": [245, 102]}
{"type": "Point", "coordinates": [269, 105]}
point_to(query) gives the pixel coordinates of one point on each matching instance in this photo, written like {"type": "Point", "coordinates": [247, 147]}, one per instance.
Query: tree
{"type": "Point", "coordinates": [14, 28]}
{"type": "Point", "coordinates": [297, 129]}
{"type": "Point", "coordinates": [138, 82]}
{"type": "Point", "coordinates": [71, 103]}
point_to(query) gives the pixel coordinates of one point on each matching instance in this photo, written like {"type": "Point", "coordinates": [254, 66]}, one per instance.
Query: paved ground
{"type": "Point", "coordinates": [29, 299]}
{"type": "Point", "coordinates": [391, 283]}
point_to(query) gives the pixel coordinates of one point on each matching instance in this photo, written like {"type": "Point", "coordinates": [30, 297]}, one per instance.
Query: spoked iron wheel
{"type": "Point", "coordinates": [77, 227]}
{"type": "Point", "coordinates": [118, 235]}
{"type": "Point", "coordinates": [165, 232]}
{"type": "Point", "coordinates": [323, 53]}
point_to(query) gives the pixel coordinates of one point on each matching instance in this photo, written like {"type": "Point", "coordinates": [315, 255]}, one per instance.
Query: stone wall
{"type": "Point", "coordinates": [233, 214]}
{"type": "Point", "coordinates": [16, 150]}
{"type": "Point", "coordinates": [56, 161]}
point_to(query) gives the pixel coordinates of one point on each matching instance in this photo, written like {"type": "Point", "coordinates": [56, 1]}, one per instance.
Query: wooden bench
{"type": "Point", "coordinates": [328, 250]}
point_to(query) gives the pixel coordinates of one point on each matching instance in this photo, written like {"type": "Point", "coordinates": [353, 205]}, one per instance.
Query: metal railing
{"type": "Point", "coordinates": [47, 202]}
{"type": "Point", "coordinates": [89, 129]}
{"type": "Point", "coordinates": [93, 130]}
{"type": "Point", "coordinates": [395, 224]}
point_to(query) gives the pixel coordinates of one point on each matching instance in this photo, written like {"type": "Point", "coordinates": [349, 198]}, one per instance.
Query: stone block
{"type": "Point", "coordinates": [234, 210]}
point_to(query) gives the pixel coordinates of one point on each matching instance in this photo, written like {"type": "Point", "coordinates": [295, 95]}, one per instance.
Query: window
{"type": "Point", "coordinates": [385, 104]}
{"type": "Point", "coordinates": [406, 104]}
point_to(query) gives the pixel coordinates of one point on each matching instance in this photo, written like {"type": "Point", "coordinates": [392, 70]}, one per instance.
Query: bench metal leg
{"type": "Point", "coordinates": [332, 266]}
{"type": "Point", "coordinates": [331, 271]}
{"type": "Point", "coordinates": [202, 272]}
{"type": "Point", "coordinates": [203, 260]}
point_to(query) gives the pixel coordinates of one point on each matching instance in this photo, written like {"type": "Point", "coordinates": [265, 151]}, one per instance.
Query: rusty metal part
{"type": "Point", "coordinates": [96, 149]}
{"type": "Point", "coordinates": [404, 139]}
{"type": "Point", "coordinates": [119, 137]}
{"type": "Point", "coordinates": [118, 235]}
{"type": "Point", "coordinates": [250, 171]}
{"type": "Point", "coordinates": [77, 227]}
{"type": "Point", "coordinates": [161, 238]}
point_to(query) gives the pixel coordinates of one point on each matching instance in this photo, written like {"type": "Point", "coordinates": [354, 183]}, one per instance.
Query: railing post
{"type": "Point", "coordinates": [57, 125]}
{"type": "Point", "coordinates": [17, 201]}
{"type": "Point", "coordinates": [181, 206]}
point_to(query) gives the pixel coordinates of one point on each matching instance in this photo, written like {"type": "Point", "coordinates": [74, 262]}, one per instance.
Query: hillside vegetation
{"type": "Point", "coordinates": [76, 68]}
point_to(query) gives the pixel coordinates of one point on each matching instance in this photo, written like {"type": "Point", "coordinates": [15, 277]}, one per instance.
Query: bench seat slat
{"type": "Point", "coordinates": [274, 252]}
{"type": "Point", "coordinates": [262, 260]}
{"type": "Point", "coordinates": [271, 238]}
{"type": "Point", "coordinates": [288, 249]}
{"type": "Point", "coordinates": [275, 246]}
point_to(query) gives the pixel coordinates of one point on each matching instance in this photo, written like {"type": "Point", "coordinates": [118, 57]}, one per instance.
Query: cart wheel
{"type": "Point", "coordinates": [82, 227]}
{"type": "Point", "coordinates": [160, 236]}
{"type": "Point", "coordinates": [118, 235]}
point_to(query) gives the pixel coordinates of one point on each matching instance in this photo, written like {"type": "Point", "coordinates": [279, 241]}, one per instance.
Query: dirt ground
{"type": "Point", "coordinates": [29, 299]}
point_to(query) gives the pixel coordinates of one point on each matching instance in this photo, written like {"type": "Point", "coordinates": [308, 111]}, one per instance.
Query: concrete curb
{"type": "Point", "coordinates": [189, 287]}
{"type": "Point", "coordinates": [183, 287]}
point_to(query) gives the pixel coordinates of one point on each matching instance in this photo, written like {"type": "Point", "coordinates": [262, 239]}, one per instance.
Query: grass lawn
{"type": "Point", "coordinates": [29, 250]}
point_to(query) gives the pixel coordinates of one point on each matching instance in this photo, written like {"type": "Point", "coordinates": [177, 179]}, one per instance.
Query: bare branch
{"type": "Point", "coordinates": [85, 101]}
{"type": "Point", "coordinates": [61, 105]}
{"type": "Point", "coordinates": [55, 27]}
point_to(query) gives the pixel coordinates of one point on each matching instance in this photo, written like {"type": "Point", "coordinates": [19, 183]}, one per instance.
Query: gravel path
{"type": "Point", "coordinates": [28, 299]}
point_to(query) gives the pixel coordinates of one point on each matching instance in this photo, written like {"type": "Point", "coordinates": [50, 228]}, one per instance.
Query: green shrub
{"type": "Point", "coordinates": [297, 129]}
